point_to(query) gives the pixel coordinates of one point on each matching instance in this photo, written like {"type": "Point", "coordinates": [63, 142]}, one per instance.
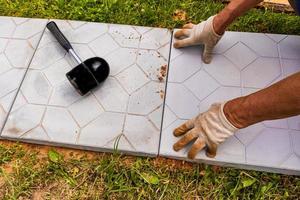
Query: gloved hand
{"type": "Point", "coordinates": [202, 33]}
{"type": "Point", "coordinates": [208, 129]}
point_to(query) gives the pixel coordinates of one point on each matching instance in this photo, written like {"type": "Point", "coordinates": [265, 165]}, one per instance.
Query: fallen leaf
{"type": "Point", "coordinates": [54, 156]}
{"type": "Point", "coordinates": [150, 178]}
{"type": "Point", "coordinates": [179, 15]}
{"type": "Point", "coordinates": [248, 182]}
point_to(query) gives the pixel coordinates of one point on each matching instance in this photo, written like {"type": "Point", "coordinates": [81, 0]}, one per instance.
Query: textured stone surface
{"type": "Point", "coordinates": [126, 109]}
{"type": "Point", "coordinates": [243, 63]}
{"type": "Point", "coordinates": [18, 38]}
{"type": "Point", "coordinates": [125, 112]}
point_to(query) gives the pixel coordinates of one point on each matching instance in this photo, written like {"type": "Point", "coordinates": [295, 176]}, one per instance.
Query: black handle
{"type": "Point", "coordinates": [63, 41]}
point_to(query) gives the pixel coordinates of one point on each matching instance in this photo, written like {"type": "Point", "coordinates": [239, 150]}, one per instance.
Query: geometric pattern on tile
{"type": "Point", "coordinates": [180, 70]}
{"type": "Point", "coordinates": [154, 39]}
{"type": "Point", "coordinates": [18, 38]}
{"type": "Point", "coordinates": [289, 47]}
{"type": "Point", "coordinates": [126, 108]}
{"type": "Point", "coordinates": [99, 49]}
{"type": "Point", "coordinates": [278, 123]}
{"type": "Point", "coordinates": [231, 151]}
{"type": "Point", "coordinates": [223, 71]}
{"type": "Point", "coordinates": [104, 128]}
{"type": "Point", "coordinates": [150, 62]}
{"type": "Point", "coordinates": [201, 90]}
{"type": "Point", "coordinates": [120, 59]}
{"type": "Point", "coordinates": [276, 37]}
{"type": "Point", "coordinates": [132, 78]}
{"type": "Point", "coordinates": [291, 162]}
{"type": "Point", "coordinates": [261, 44]}
{"type": "Point", "coordinates": [241, 65]}
{"type": "Point", "coordinates": [290, 66]}
{"type": "Point", "coordinates": [137, 129]}
{"type": "Point", "coordinates": [221, 94]}
{"type": "Point", "coordinates": [261, 72]}
{"type": "Point", "coordinates": [181, 101]}
{"type": "Point", "coordinates": [296, 141]}
{"type": "Point", "coordinates": [143, 101]}
{"type": "Point", "coordinates": [270, 148]}
{"type": "Point", "coordinates": [228, 40]}
{"type": "Point", "coordinates": [247, 135]}
{"type": "Point", "coordinates": [164, 51]}
{"type": "Point", "coordinates": [59, 125]}
{"type": "Point", "coordinates": [240, 55]}
{"type": "Point", "coordinates": [125, 36]}
{"type": "Point", "coordinates": [294, 122]}
{"type": "Point", "coordinates": [112, 96]}
{"type": "Point", "coordinates": [52, 111]}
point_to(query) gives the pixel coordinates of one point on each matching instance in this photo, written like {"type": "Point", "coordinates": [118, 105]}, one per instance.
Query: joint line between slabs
{"type": "Point", "coordinates": [165, 96]}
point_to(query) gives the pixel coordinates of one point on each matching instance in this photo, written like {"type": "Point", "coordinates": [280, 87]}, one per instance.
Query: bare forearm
{"type": "Point", "coordinates": [277, 101]}
{"type": "Point", "coordinates": [232, 11]}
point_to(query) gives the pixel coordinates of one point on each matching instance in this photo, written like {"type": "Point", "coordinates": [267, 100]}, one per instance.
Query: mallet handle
{"type": "Point", "coordinates": [63, 41]}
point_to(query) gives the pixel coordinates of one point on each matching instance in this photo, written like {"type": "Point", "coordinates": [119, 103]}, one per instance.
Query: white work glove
{"type": "Point", "coordinates": [202, 33]}
{"type": "Point", "coordinates": [208, 129]}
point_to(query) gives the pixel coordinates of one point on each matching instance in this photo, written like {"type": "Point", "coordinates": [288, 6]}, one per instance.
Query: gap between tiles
{"type": "Point", "coordinates": [165, 94]}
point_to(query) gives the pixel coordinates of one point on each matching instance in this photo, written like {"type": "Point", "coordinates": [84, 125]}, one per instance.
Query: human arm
{"type": "Point", "coordinates": [280, 100]}
{"type": "Point", "coordinates": [232, 11]}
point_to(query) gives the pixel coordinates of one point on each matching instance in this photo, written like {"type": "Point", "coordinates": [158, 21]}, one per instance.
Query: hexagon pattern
{"type": "Point", "coordinates": [18, 38]}
{"type": "Point", "coordinates": [242, 63]}
{"type": "Point", "coordinates": [125, 109]}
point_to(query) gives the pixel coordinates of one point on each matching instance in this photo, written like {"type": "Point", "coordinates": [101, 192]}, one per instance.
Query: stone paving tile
{"type": "Point", "coordinates": [243, 63]}
{"type": "Point", "coordinates": [18, 41]}
{"type": "Point", "coordinates": [125, 111]}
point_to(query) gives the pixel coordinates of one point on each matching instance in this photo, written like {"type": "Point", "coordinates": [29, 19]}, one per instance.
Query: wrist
{"type": "Point", "coordinates": [222, 20]}
{"type": "Point", "coordinates": [218, 25]}
{"type": "Point", "coordinates": [236, 112]}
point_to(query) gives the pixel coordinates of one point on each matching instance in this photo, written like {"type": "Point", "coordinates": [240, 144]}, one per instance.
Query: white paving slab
{"type": "Point", "coordinates": [18, 38]}
{"type": "Point", "coordinates": [243, 63]}
{"type": "Point", "coordinates": [124, 112]}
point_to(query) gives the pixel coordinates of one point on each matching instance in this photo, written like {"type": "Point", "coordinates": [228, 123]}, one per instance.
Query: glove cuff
{"type": "Point", "coordinates": [225, 121]}
{"type": "Point", "coordinates": [211, 20]}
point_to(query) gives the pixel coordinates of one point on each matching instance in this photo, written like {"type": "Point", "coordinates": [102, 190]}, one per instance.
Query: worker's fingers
{"type": "Point", "coordinates": [182, 33]}
{"type": "Point", "coordinates": [188, 26]}
{"type": "Point", "coordinates": [183, 128]}
{"type": "Point", "coordinates": [188, 137]}
{"type": "Point", "coordinates": [207, 54]}
{"type": "Point", "coordinates": [198, 145]}
{"type": "Point", "coordinates": [211, 150]}
{"type": "Point", "coordinates": [184, 43]}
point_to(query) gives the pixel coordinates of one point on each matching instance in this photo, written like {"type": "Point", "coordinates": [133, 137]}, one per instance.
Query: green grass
{"type": "Point", "coordinates": [108, 176]}
{"type": "Point", "coordinates": [148, 13]}
{"type": "Point", "coordinates": [26, 174]}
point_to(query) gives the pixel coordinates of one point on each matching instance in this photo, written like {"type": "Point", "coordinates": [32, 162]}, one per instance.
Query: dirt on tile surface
{"type": "Point", "coordinates": [162, 73]}
{"type": "Point", "coordinates": [162, 94]}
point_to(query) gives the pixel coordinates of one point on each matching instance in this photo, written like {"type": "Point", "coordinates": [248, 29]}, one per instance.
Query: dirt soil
{"type": "Point", "coordinates": [69, 153]}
